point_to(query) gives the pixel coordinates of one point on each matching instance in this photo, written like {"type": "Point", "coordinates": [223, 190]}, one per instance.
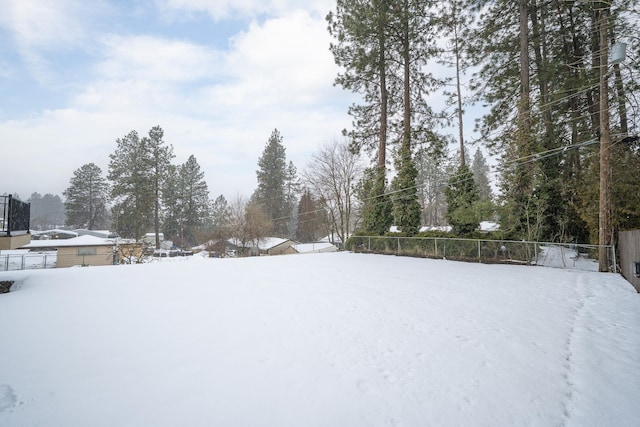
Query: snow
{"type": "Point", "coordinates": [18, 259]}
{"type": "Point", "coordinates": [305, 248]}
{"type": "Point", "coordinates": [335, 339]}
{"type": "Point", "coordinates": [86, 240]}
{"type": "Point", "coordinates": [489, 226]}
{"type": "Point", "coordinates": [270, 242]}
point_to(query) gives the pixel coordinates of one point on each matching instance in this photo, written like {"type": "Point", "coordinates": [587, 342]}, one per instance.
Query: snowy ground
{"type": "Point", "coordinates": [319, 340]}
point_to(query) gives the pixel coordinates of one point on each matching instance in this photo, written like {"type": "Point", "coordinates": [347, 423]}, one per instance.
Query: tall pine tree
{"type": "Point", "coordinates": [132, 186]}
{"type": "Point", "coordinates": [86, 198]}
{"type": "Point", "coordinates": [273, 178]}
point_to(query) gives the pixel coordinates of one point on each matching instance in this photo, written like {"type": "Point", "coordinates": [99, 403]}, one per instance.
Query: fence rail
{"type": "Point", "coordinates": [30, 261]}
{"type": "Point", "coordinates": [579, 256]}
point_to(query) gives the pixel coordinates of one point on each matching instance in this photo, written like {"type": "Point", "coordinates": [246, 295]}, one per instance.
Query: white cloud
{"type": "Point", "coordinates": [43, 23]}
{"type": "Point", "coordinates": [155, 59]}
{"type": "Point", "coordinates": [42, 27]}
{"type": "Point", "coordinates": [224, 9]}
{"type": "Point", "coordinates": [220, 106]}
{"type": "Point", "coordinates": [284, 58]}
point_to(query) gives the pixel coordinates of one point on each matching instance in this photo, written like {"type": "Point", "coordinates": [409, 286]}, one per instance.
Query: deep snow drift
{"type": "Point", "coordinates": [319, 340]}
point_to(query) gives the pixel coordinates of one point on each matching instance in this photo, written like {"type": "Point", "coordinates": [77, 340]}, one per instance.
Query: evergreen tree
{"type": "Point", "coordinates": [545, 141]}
{"type": "Point", "coordinates": [360, 48]}
{"type": "Point", "coordinates": [434, 170]}
{"type": "Point", "coordinates": [292, 189]}
{"type": "Point", "coordinates": [453, 22]}
{"type": "Point", "coordinates": [462, 196]}
{"type": "Point", "coordinates": [86, 198]}
{"type": "Point", "coordinates": [272, 192]}
{"type": "Point", "coordinates": [172, 202]}
{"type": "Point", "coordinates": [132, 186]}
{"type": "Point", "coordinates": [309, 218]}
{"type": "Point", "coordinates": [195, 200]}
{"type": "Point", "coordinates": [377, 206]}
{"type": "Point", "coordinates": [46, 211]}
{"type": "Point", "coordinates": [220, 213]}
{"type": "Point", "coordinates": [480, 171]}
{"type": "Point", "coordinates": [186, 201]}
{"type": "Point", "coordinates": [406, 209]}
{"type": "Point", "coordinates": [158, 161]}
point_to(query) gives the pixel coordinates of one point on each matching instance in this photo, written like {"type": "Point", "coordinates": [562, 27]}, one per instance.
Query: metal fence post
{"type": "Point", "coordinates": [479, 258]}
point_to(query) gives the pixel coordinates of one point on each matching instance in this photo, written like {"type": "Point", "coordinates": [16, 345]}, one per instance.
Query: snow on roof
{"type": "Point", "coordinates": [53, 231]}
{"type": "Point", "coordinates": [331, 238]}
{"type": "Point", "coordinates": [445, 228]}
{"type": "Point", "coordinates": [97, 233]}
{"type": "Point", "coordinates": [76, 241]}
{"type": "Point", "coordinates": [489, 226]}
{"type": "Point", "coordinates": [314, 247]}
{"type": "Point", "coordinates": [270, 242]}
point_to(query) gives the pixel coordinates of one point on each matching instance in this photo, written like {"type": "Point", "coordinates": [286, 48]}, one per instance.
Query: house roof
{"type": "Point", "coordinates": [74, 242]}
{"type": "Point", "coordinates": [314, 247]}
{"type": "Point", "coordinates": [53, 232]}
{"type": "Point", "coordinates": [98, 233]}
{"type": "Point", "coordinates": [270, 243]}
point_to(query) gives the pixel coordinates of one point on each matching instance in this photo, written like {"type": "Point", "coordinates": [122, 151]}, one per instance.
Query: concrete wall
{"type": "Point", "coordinates": [14, 242]}
{"type": "Point", "coordinates": [629, 249]}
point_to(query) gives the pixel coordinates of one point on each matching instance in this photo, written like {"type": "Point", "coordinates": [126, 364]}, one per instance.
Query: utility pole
{"type": "Point", "coordinates": [605, 235]}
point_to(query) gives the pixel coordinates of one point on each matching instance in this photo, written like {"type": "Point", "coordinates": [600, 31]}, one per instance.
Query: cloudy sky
{"type": "Point", "coordinates": [217, 75]}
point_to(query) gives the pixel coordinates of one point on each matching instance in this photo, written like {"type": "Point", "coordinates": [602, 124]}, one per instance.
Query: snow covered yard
{"type": "Point", "coordinates": [319, 340]}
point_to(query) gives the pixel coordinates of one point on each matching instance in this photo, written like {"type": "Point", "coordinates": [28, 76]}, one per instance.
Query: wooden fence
{"type": "Point", "coordinates": [629, 249]}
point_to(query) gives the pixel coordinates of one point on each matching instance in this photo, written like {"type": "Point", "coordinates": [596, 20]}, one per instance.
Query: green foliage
{"type": "Point", "coordinates": [190, 208]}
{"type": "Point", "coordinates": [310, 218]}
{"type": "Point", "coordinates": [86, 198]}
{"type": "Point", "coordinates": [462, 197]}
{"type": "Point", "coordinates": [276, 185]}
{"type": "Point", "coordinates": [132, 187]}
{"type": "Point", "coordinates": [220, 214]}
{"type": "Point", "coordinates": [625, 191]}
{"type": "Point", "coordinates": [138, 170]}
{"type": "Point", "coordinates": [377, 205]}
{"type": "Point", "coordinates": [480, 171]}
{"type": "Point", "coordinates": [406, 209]}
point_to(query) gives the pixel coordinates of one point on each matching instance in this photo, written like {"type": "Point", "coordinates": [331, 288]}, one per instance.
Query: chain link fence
{"type": "Point", "coordinates": [21, 260]}
{"type": "Point", "coordinates": [560, 255]}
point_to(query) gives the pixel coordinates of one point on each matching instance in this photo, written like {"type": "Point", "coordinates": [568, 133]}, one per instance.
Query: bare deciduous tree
{"type": "Point", "coordinates": [248, 223]}
{"type": "Point", "coordinates": [331, 176]}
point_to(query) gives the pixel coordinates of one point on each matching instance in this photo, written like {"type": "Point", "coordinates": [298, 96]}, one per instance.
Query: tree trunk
{"type": "Point", "coordinates": [384, 96]}
{"type": "Point", "coordinates": [604, 224]}
{"type": "Point", "coordinates": [456, 48]}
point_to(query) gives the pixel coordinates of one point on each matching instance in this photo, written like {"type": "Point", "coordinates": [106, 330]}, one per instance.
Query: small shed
{"type": "Point", "coordinates": [315, 248]}
{"type": "Point", "coordinates": [629, 249]}
{"type": "Point", "coordinates": [275, 246]}
{"type": "Point", "coordinates": [82, 250]}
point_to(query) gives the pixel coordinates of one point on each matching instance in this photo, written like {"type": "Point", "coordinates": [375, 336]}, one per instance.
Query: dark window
{"type": "Point", "coordinates": [86, 251]}
{"type": "Point", "coordinates": [636, 269]}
